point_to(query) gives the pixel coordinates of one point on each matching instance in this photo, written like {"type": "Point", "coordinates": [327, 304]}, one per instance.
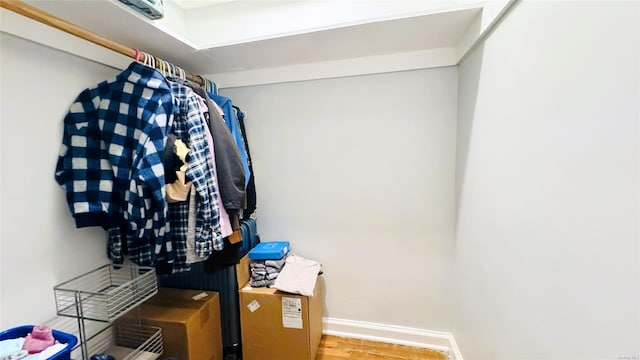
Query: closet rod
{"type": "Point", "coordinates": [44, 17]}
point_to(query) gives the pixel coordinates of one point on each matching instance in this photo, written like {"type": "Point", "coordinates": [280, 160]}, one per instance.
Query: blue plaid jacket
{"type": "Point", "coordinates": [189, 126]}
{"type": "Point", "coordinates": [110, 161]}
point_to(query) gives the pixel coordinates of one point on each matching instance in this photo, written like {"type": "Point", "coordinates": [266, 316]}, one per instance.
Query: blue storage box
{"type": "Point", "coordinates": [269, 250]}
{"type": "Point", "coordinates": [61, 337]}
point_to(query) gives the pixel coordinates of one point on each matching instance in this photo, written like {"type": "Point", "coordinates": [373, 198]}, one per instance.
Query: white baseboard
{"type": "Point", "coordinates": [434, 340]}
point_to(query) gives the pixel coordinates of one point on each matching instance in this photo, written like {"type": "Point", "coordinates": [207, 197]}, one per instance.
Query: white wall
{"type": "Point", "coordinates": [548, 188]}
{"type": "Point", "coordinates": [39, 245]}
{"type": "Point", "coordinates": [358, 173]}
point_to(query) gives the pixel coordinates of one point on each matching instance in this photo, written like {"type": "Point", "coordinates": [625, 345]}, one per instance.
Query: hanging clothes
{"type": "Point", "coordinates": [232, 123]}
{"type": "Point", "coordinates": [250, 193]}
{"type": "Point", "coordinates": [228, 161]}
{"type": "Point", "coordinates": [225, 224]}
{"type": "Point", "coordinates": [123, 149]}
{"type": "Point", "coordinates": [191, 230]}
{"type": "Point", "coordinates": [189, 127]}
{"type": "Point", "coordinates": [110, 161]}
{"type": "Point", "coordinates": [178, 190]}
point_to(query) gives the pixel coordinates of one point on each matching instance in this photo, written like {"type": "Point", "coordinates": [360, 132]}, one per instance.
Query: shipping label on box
{"type": "Point", "coordinates": [292, 312]}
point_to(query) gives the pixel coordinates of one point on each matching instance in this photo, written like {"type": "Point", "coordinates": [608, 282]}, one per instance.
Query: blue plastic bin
{"type": "Point", "coordinates": [61, 337]}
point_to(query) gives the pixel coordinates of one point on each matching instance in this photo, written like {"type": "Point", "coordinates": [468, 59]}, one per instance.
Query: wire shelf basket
{"type": "Point", "coordinates": [106, 293]}
{"type": "Point", "coordinates": [127, 341]}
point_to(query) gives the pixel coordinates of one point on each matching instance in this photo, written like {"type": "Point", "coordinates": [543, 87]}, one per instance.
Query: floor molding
{"type": "Point", "coordinates": [434, 340]}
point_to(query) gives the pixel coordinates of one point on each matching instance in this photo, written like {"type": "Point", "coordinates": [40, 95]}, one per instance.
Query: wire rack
{"type": "Point", "coordinates": [97, 300]}
{"type": "Point", "coordinates": [105, 293]}
{"type": "Point", "coordinates": [128, 341]}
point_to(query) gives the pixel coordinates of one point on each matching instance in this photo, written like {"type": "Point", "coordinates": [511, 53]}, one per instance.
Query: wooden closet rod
{"type": "Point", "coordinates": [44, 17]}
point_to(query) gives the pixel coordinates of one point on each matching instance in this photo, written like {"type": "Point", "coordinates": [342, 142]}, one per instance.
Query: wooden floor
{"type": "Point", "coordinates": [336, 348]}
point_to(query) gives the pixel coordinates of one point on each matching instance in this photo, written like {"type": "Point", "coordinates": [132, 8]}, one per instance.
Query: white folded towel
{"type": "Point", "coordinates": [298, 276]}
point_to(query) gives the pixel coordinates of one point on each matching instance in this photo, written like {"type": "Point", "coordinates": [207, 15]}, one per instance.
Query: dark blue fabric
{"type": "Point", "coordinates": [110, 161]}
{"type": "Point", "coordinates": [250, 192]}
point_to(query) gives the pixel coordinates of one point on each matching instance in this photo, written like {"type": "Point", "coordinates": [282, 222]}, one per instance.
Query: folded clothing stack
{"type": "Point", "coordinates": [265, 272]}
{"type": "Point", "coordinates": [299, 275]}
{"type": "Point", "coordinates": [267, 260]}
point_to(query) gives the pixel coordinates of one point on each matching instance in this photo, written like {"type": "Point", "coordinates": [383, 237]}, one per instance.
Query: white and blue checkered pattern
{"type": "Point", "coordinates": [110, 161]}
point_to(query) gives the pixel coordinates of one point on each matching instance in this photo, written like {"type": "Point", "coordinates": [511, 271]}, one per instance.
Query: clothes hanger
{"type": "Point", "coordinates": [159, 64]}
{"type": "Point", "coordinates": [170, 67]}
{"type": "Point", "coordinates": [156, 63]}
{"type": "Point", "coordinates": [166, 67]}
{"type": "Point", "coordinates": [152, 60]}
{"type": "Point", "coordinates": [145, 61]}
{"type": "Point", "coordinates": [201, 83]}
{"type": "Point", "coordinates": [215, 88]}
{"type": "Point", "coordinates": [178, 72]}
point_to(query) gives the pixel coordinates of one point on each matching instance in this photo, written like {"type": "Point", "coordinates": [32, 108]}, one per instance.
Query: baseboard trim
{"type": "Point", "coordinates": [428, 339]}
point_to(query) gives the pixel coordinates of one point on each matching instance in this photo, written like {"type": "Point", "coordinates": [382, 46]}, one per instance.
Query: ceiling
{"type": "Point", "coordinates": [403, 35]}
{"type": "Point", "coordinates": [361, 40]}
{"type": "Point", "coordinates": [363, 29]}
{"type": "Point", "coordinates": [194, 4]}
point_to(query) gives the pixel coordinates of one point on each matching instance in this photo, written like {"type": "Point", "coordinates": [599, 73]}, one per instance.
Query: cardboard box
{"type": "Point", "coordinates": [190, 322]}
{"type": "Point", "coordinates": [243, 271]}
{"type": "Point", "coordinates": [279, 325]}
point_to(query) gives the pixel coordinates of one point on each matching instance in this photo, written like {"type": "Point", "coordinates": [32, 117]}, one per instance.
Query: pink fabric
{"type": "Point", "coordinates": [201, 104]}
{"type": "Point", "coordinates": [40, 338]}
